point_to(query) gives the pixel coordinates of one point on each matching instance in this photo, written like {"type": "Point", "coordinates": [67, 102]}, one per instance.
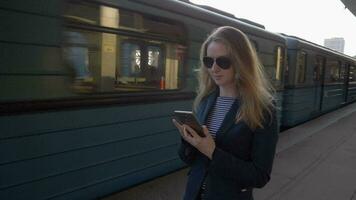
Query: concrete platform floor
{"type": "Point", "coordinates": [314, 161]}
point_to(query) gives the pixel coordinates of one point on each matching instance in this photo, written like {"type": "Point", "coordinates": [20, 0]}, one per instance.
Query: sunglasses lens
{"type": "Point", "coordinates": [208, 62]}
{"type": "Point", "coordinates": [223, 62]}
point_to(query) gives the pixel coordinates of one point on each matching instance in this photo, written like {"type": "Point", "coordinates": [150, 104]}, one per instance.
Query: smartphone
{"type": "Point", "coordinates": [188, 118]}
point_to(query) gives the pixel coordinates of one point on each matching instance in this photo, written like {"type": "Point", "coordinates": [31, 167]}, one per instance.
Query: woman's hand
{"type": "Point", "coordinates": [205, 145]}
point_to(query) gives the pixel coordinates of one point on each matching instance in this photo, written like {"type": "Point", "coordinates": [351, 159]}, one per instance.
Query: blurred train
{"type": "Point", "coordinates": [88, 89]}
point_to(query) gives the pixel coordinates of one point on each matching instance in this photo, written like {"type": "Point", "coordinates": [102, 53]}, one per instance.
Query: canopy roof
{"type": "Point", "coordinates": [351, 5]}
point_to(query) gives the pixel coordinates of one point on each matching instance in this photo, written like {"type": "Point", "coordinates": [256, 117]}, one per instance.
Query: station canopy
{"type": "Point", "coordinates": [351, 5]}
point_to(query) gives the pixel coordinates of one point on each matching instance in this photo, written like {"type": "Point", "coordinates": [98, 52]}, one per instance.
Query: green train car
{"type": "Point", "coordinates": [88, 88]}
{"type": "Point", "coordinates": [318, 80]}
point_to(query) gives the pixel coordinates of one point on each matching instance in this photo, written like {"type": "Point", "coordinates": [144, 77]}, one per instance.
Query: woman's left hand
{"type": "Point", "coordinates": [205, 145]}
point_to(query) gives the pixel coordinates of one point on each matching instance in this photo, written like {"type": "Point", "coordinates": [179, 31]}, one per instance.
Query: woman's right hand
{"type": "Point", "coordinates": [179, 126]}
{"type": "Point", "coordinates": [205, 145]}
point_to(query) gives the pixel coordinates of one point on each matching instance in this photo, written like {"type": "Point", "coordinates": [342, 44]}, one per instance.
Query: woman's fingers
{"type": "Point", "coordinates": [191, 131]}
{"type": "Point", "coordinates": [192, 136]}
{"type": "Point", "coordinates": [206, 131]}
{"type": "Point", "coordinates": [188, 133]}
{"type": "Point", "coordinates": [178, 125]}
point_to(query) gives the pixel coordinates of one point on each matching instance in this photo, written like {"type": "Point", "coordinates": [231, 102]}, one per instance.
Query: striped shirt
{"type": "Point", "coordinates": [218, 112]}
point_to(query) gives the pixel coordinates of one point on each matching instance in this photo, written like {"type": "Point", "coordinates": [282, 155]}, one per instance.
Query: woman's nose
{"type": "Point", "coordinates": [215, 67]}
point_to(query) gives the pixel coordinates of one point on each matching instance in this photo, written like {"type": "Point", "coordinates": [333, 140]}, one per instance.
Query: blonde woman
{"type": "Point", "coordinates": [235, 104]}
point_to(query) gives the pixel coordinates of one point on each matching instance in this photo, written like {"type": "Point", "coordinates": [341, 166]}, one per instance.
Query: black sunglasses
{"type": "Point", "coordinates": [222, 61]}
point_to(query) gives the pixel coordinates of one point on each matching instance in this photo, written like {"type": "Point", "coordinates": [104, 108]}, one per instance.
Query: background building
{"type": "Point", "coordinates": [336, 43]}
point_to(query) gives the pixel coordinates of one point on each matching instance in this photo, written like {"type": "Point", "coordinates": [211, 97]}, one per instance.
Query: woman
{"type": "Point", "coordinates": [235, 104]}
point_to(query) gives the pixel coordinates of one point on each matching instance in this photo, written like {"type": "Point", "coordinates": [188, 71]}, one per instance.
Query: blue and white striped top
{"type": "Point", "coordinates": [218, 112]}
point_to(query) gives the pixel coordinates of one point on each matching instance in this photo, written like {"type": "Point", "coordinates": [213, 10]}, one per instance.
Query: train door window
{"type": "Point", "coordinates": [335, 72]}
{"type": "Point", "coordinates": [279, 63]}
{"type": "Point", "coordinates": [318, 67]}
{"type": "Point", "coordinates": [342, 72]}
{"type": "Point", "coordinates": [301, 67]}
{"type": "Point", "coordinates": [123, 51]}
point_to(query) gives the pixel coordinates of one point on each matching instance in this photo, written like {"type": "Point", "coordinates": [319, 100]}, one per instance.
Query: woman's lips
{"type": "Point", "coordinates": [217, 76]}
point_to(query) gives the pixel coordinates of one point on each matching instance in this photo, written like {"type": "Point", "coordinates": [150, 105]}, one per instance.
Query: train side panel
{"type": "Point", "coordinates": [29, 54]}
{"type": "Point", "coordinates": [64, 153]}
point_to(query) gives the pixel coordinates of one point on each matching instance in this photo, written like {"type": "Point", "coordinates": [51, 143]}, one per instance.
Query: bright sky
{"type": "Point", "coordinates": [313, 20]}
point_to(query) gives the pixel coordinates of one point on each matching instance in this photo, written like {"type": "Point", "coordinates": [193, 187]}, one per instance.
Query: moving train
{"type": "Point", "coordinates": [88, 88]}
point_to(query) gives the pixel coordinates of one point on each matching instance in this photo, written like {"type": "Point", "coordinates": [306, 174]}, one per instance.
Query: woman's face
{"type": "Point", "coordinates": [222, 77]}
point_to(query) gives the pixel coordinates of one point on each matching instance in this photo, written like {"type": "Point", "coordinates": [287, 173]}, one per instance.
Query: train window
{"type": "Point", "coordinates": [76, 53]}
{"type": "Point", "coordinates": [144, 54]}
{"type": "Point", "coordinates": [82, 12]}
{"type": "Point", "coordinates": [109, 17]}
{"type": "Point", "coordinates": [142, 67]}
{"type": "Point", "coordinates": [279, 63]}
{"type": "Point", "coordinates": [301, 67]}
{"type": "Point", "coordinates": [91, 14]}
{"type": "Point", "coordinates": [318, 67]}
{"type": "Point", "coordinates": [130, 19]}
{"type": "Point", "coordinates": [352, 74]}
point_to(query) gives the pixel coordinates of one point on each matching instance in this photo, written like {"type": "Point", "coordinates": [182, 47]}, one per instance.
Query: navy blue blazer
{"type": "Point", "coordinates": [242, 159]}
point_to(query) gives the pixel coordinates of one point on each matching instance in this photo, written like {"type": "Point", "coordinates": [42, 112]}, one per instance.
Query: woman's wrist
{"type": "Point", "coordinates": [211, 152]}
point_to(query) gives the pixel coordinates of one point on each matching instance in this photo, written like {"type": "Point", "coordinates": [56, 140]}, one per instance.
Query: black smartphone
{"type": "Point", "coordinates": [188, 118]}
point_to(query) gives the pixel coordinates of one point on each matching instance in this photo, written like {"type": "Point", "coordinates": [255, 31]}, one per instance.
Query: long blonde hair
{"type": "Point", "coordinates": [254, 90]}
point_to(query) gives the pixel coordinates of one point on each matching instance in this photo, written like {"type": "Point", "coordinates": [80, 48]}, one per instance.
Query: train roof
{"type": "Point", "coordinates": [230, 15]}
{"type": "Point", "coordinates": [215, 17]}
{"type": "Point", "coordinates": [295, 41]}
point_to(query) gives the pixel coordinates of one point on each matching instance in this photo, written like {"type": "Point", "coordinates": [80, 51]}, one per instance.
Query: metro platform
{"type": "Point", "coordinates": [314, 161]}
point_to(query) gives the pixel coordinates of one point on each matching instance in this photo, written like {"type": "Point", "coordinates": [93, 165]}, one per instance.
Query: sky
{"type": "Point", "coordinates": [313, 20]}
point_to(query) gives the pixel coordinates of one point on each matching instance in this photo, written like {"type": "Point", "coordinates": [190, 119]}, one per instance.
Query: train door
{"type": "Point", "coordinates": [318, 81]}
{"type": "Point", "coordinates": [344, 77]}
{"type": "Point", "coordinates": [351, 86]}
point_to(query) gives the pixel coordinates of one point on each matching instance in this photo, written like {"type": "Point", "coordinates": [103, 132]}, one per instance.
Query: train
{"type": "Point", "coordinates": [88, 89]}
{"type": "Point", "coordinates": [319, 80]}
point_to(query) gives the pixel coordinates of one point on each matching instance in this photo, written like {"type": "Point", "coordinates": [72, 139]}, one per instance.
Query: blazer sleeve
{"type": "Point", "coordinates": [254, 173]}
{"type": "Point", "coordinates": [187, 152]}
